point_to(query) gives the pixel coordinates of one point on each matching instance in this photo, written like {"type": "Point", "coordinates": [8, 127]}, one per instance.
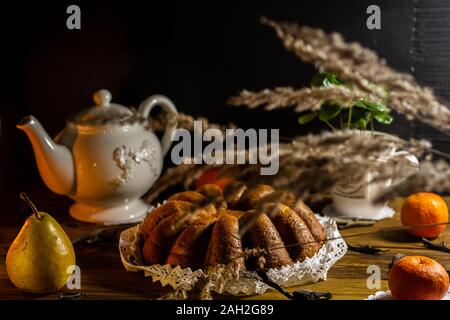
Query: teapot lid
{"type": "Point", "coordinates": [105, 112]}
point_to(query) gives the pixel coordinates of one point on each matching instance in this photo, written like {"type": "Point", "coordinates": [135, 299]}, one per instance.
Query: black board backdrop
{"type": "Point", "coordinates": [197, 53]}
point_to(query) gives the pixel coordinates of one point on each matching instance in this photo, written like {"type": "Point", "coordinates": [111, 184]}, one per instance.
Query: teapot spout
{"type": "Point", "coordinates": [54, 161]}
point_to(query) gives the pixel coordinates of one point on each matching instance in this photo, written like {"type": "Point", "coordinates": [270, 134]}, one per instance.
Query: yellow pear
{"type": "Point", "coordinates": [39, 257]}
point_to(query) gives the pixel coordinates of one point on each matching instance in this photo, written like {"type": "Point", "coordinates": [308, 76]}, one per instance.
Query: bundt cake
{"type": "Point", "coordinates": [209, 226]}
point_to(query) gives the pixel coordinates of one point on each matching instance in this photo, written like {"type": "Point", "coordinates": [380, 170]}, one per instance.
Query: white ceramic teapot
{"type": "Point", "coordinates": [105, 159]}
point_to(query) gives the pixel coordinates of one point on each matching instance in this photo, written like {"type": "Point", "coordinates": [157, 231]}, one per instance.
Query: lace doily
{"type": "Point", "coordinates": [310, 270]}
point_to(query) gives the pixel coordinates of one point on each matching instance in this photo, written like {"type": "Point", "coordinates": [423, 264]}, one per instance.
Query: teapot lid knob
{"type": "Point", "coordinates": [102, 98]}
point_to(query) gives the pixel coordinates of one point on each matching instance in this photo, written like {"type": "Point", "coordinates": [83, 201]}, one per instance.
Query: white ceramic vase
{"type": "Point", "coordinates": [354, 197]}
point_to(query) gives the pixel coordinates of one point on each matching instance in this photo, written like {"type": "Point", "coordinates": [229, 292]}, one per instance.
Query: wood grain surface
{"type": "Point", "coordinates": [103, 276]}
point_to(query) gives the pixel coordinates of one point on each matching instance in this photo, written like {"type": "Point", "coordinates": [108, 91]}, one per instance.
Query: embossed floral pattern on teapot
{"type": "Point", "coordinates": [105, 159]}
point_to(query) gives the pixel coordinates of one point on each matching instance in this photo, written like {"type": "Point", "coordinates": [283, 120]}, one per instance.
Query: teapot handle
{"type": "Point", "coordinates": [146, 107]}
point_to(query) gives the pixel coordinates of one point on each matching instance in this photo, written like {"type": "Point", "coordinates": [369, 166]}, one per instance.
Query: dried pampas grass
{"type": "Point", "coordinates": [307, 99]}
{"type": "Point", "coordinates": [316, 163]}
{"type": "Point", "coordinates": [185, 121]}
{"type": "Point", "coordinates": [356, 65]}
{"type": "Point", "coordinates": [431, 176]}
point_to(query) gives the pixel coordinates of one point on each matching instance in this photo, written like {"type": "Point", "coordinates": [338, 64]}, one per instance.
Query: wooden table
{"type": "Point", "coordinates": [103, 276]}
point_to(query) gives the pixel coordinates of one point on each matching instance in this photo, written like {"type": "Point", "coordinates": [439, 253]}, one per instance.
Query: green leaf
{"type": "Point", "coordinates": [329, 111]}
{"type": "Point", "coordinates": [325, 79]}
{"type": "Point", "coordinates": [361, 123]}
{"type": "Point", "coordinates": [307, 118]}
{"type": "Point", "coordinates": [383, 118]}
{"type": "Point", "coordinates": [375, 107]}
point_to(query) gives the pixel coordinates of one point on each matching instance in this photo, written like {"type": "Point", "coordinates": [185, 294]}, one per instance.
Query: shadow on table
{"type": "Point", "coordinates": [399, 236]}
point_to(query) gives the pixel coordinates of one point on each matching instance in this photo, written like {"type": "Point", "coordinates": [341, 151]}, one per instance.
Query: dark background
{"type": "Point", "coordinates": [196, 53]}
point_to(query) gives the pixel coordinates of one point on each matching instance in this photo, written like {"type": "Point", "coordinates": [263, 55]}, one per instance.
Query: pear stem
{"type": "Point", "coordinates": [25, 198]}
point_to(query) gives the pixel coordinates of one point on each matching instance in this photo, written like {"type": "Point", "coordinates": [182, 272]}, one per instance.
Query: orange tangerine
{"type": "Point", "coordinates": [211, 176]}
{"type": "Point", "coordinates": [424, 208]}
{"type": "Point", "coordinates": [418, 278]}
